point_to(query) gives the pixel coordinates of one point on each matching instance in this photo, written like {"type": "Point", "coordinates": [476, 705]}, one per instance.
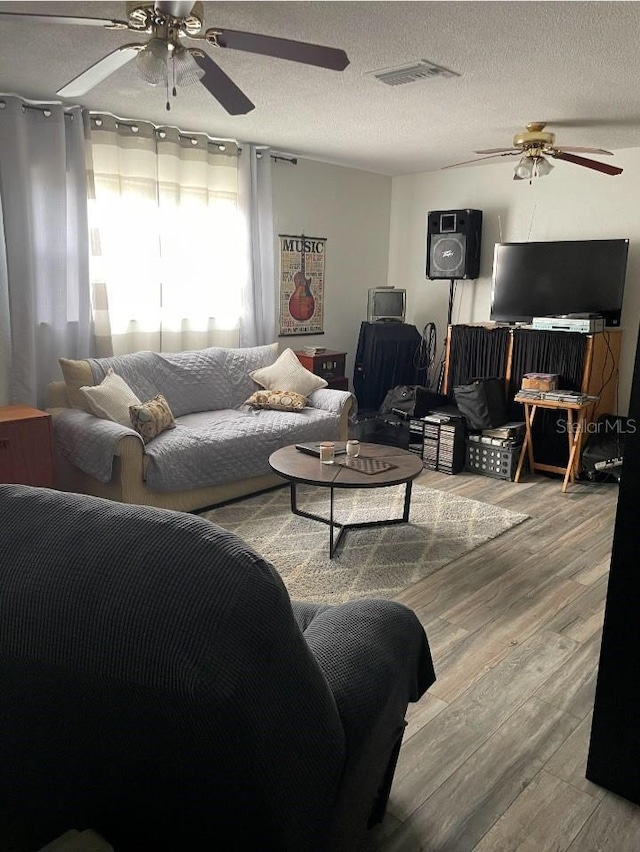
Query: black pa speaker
{"type": "Point", "coordinates": [453, 244]}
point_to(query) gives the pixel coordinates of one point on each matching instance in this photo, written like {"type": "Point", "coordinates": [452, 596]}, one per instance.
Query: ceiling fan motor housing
{"type": "Point", "coordinates": [533, 139]}
{"type": "Point", "coordinates": [145, 16]}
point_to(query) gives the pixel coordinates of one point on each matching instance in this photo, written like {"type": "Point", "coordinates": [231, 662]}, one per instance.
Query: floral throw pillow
{"type": "Point", "coordinates": [151, 418]}
{"type": "Point", "coordinates": [277, 400]}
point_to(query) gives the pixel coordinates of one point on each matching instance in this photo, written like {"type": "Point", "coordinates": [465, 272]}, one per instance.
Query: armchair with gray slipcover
{"type": "Point", "coordinates": [158, 686]}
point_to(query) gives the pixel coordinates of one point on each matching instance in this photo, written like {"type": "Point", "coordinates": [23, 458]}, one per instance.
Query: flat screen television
{"type": "Point", "coordinates": [540, 279]}
{"type": "Point", "coordinates": [386, 304]}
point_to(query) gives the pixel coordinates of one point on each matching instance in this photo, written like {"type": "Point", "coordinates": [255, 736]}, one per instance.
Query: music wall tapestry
{"type": "Point", "coordinates": [301, 284]}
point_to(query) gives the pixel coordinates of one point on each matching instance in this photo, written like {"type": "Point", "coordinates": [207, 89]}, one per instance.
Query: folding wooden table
{"type": "Point", "coordinates": [576, 422]}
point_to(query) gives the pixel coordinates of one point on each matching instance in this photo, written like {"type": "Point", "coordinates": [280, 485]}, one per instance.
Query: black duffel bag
{"type": "Point", "coordinates": [482, 403]}
{"type": "Point", "coordinates": [412, 401]}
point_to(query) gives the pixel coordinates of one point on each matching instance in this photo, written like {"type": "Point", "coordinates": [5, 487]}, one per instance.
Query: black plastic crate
{"type": "Point", "coordinates": [490, 460]}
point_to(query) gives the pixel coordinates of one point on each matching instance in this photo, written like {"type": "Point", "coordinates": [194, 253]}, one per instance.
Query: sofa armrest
{"type": "Point", "coordinates": [338, 402]}
{"type": "Point", "coordinates": [56, 395]}
{"type": "Point", "coordinates": [373, 653]}
{"type": "Point", "coordinates": [375, 657]}
{"type": "Point", "coordinates": [329, 399]}
{"type": "Point", "coordinates": [91, 443]}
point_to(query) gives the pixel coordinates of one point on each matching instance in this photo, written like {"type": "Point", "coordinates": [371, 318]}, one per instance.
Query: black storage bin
{"type": "Point", "coordinates": [489, 460]}
{"type": "Point", "coordinates": [386, 429]}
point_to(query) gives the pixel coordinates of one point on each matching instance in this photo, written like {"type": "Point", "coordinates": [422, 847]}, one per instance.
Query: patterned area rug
{"type": "Point", "coordinates": [374, 562]}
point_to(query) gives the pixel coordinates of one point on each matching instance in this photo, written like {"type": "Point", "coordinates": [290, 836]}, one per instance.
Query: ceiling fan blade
{"type": "Point", "coordinates": [109, 23]}
{"type": "Point", "coordinates": [223, 89]}
{"type": "Point", "coordinates": [280, 48]}
{"type": "Point", "coordinates": [497, 151]}
{"type": "Point", "coordinates": [174, 8]}
{"type": "Point", "coordinates": [99, 71]}
{"type": "Point", "coordinates": [590, 164]}
{"type": "Point", "coordinates": [581, 150]}
{"type": "Point", "coordinates": [480, 159]}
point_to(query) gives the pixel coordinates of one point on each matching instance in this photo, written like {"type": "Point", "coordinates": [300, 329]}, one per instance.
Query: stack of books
{"type": "Point", "coordinates": [526, 395]}
{"type": "Point", "coordinates": [507, 435]}
{"type": "Point", "coordinates": [576, 397]}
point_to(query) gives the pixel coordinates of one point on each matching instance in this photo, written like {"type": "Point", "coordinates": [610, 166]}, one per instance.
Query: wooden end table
{"type": "Point", "coordinates": [26, 446]}
{"type": "Point", "coordinates": [298, 467]}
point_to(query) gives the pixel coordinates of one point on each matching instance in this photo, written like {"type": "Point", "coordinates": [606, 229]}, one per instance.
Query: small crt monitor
{"type": "Point", "coordinates": [386, 304]}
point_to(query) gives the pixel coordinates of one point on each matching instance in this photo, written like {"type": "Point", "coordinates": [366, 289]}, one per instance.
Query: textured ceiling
{"type": "Point", "coordinates": [575, 65]}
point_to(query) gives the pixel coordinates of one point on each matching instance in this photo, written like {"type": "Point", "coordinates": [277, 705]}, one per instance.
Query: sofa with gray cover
{"type": "Point", "coordinates": [220, 447]}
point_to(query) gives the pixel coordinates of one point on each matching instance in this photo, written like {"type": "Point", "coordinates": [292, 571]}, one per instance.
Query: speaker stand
{"type": "Point", "coordinates": [452, 296]}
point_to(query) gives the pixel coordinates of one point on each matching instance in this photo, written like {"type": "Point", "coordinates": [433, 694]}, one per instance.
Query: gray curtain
{"type": "Point", "coordinates": [258, 324]}
{"type": "Point", "coordinates": [44, 247]}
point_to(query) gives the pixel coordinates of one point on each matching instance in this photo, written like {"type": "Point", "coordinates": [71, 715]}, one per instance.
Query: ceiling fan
{"type": "Point", "coordinates": [534, 145]}
{"type": "Point", "coordinates": [164, 59]}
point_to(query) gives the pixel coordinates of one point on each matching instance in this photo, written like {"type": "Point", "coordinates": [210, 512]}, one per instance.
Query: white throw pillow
{"type": "Point", "coordinates": [288, 374]}
{"type": "Point", "coordinates": [111, 399]}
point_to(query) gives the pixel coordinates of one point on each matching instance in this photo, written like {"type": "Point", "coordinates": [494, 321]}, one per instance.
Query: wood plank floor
{"type": "Point", "coordinates": [494, 755]}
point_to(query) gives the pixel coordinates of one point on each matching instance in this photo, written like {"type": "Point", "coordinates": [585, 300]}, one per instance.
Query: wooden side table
{"type": "Point", "coordinates": [576, 421]}
{"type": "Point", "coordinates": [329, 365]}
{"type": "Point", "coordinates": [26, 446]}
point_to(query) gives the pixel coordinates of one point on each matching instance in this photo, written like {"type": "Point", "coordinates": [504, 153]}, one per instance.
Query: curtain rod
{"type": "Point", "coordinates": [278, 158]}
{"type": "Point", "coordinates": [45, 107]}
{"type": "Point", "coordinates": [282, 158]}
{"type": "Point", "coordinates": [188, 134]}
{"type": "Point", "coordinates": [96, 117]}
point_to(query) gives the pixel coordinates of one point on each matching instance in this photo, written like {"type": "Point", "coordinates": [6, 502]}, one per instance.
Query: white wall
{"type": "Point", "coordinates": [571, 203]}
{"type": "Point", "coordinates": [351, 209]}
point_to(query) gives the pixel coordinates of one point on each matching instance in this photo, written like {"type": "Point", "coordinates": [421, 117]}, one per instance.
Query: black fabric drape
{"type": "Point", "coordinates": [386, 357]}
{"type": "Point", "coordinates": [547, 352]}
{"type": "Point", "coordinates": [476, 353]}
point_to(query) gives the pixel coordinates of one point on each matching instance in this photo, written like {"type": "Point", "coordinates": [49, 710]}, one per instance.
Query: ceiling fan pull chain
{"type": "Point", "coordinates": [173, 72]}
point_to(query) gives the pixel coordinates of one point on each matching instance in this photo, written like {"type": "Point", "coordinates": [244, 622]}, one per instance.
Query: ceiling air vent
{"type": "Point", "coordinates": [420, 70]}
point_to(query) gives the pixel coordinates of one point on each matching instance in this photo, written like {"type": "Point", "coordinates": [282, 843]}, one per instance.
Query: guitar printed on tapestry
{"type": "Point", "coordinates": [301, 302]}
{"type": "Point", "coordinates": [301, 284]}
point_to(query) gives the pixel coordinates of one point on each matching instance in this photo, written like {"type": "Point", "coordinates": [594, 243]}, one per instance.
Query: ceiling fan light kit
{"type": "Point", "coordinates": [186, 70]}
{"type": "Point", "coordinates": [163, 59]}
{"type": "Point", "coordinates": [532, 165]}
{"type": "Point", "coordinates": [160, 63]}
{"type": "Point", "coordinates": [152, 62]}
{"type": "Point", "coordinates": [543, 167]}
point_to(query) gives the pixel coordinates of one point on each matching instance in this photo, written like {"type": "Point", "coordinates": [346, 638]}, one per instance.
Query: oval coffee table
{"type": "Point", "coordinates": [298, 467]}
